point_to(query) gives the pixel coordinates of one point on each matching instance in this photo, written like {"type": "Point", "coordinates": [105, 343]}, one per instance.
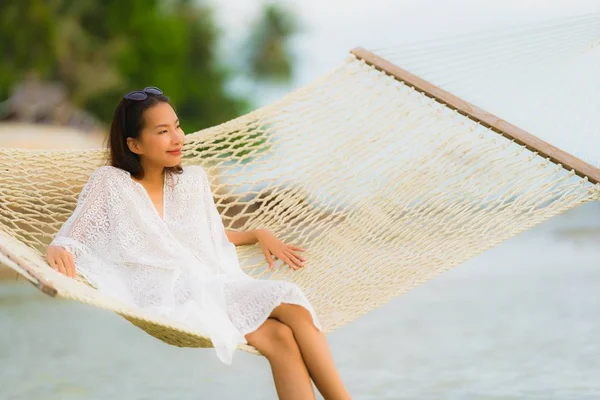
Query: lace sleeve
{"type": "Point", "coordinates": [224, 249]}
{"type": "Point", "coordinates": [89, 222]}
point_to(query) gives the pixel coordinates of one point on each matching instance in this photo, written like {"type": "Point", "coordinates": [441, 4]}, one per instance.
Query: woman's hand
{"type": "Point", "coordinates": [286, 252]}
{"type": "Point", "coordinates": [61, 260]}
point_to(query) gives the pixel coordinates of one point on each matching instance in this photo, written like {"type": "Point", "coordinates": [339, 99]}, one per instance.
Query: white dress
{"type": "Point", "coordinates": [181, 266]}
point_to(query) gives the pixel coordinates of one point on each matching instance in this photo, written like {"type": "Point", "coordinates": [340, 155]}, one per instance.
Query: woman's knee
{"type": "Point", "coordinates": [291, 313]}
{"type": "Point", "coordinates": [282, 335]}
{"type": "Point", "coordinates": [272, 337]}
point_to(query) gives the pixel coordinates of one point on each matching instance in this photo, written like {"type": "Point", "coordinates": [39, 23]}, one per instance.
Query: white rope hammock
{"type": "Point", "coordinates": [386, 179]}
{"type": "Point", "coordinates": [541, 77]}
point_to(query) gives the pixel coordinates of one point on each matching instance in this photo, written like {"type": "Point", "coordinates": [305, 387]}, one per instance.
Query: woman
{"type": "Point", "coordinates": [147, 231]}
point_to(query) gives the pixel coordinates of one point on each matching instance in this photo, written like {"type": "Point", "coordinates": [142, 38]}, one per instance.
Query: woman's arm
{"type": "Point", "coordinates": [87, 229]}
{"type": "Point", "coordinates": [270, 245]}
{"type": "Point", "coordinates": [243, 238]}
{"type": "Point", "coordinates": [268, 242]}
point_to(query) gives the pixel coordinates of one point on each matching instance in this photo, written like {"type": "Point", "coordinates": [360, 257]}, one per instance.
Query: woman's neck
{"type": "Point", "coordinates": [153, 175]}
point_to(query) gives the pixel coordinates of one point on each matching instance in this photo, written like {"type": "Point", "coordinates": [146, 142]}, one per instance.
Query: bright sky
{"type": "Point", "coordinates": [334, 27]}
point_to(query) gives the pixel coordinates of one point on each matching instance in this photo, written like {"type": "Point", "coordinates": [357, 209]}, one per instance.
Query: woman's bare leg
{"type": "Point", "coordinates": [276, 342]}
{"type": "Point", "coordinates": [315, 350]}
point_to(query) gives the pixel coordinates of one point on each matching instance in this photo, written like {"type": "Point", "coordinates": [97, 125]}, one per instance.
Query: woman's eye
{"type": "Point", "coordinates": [178, 126]}
{"type": "Point", "coordinates": [163, 131]}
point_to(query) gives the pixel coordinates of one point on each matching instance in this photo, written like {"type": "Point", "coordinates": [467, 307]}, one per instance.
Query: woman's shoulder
{"type": "Point", "coordinates": [196, 168]}
{"type": "Point", "coordinates": [107, 174]}
{"type": "Point", "coordinates": [107, 171]}
{"type": "Point", "coordinates": [195, 171]}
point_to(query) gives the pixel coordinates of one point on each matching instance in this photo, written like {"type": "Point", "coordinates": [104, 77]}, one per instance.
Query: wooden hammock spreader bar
{"type": "Point", "coordinates": [533, 143]}
{"type": "Point", "coordinates": [33, 278]}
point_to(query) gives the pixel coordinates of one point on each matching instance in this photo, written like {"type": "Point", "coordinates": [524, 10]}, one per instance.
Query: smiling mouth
{"type": "Point", "coordinates": [175, 152]}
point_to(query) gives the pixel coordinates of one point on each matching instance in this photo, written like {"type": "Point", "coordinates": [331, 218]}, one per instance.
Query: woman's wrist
{"type": "Point", "coordinates": [258, 233]}
{"type": "Point", "coordinates": [241, 238]}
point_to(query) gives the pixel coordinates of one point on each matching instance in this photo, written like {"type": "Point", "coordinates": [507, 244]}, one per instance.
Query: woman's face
{"type": "Point", "coordinates": [160, 138]}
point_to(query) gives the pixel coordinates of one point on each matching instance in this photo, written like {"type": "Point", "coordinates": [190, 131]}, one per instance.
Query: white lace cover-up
{"type": "Point", "coordinates": [181, 266]}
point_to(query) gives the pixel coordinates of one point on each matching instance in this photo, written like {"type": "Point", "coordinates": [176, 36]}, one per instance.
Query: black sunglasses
{"type": "Point", "coordinates": [139, 95]}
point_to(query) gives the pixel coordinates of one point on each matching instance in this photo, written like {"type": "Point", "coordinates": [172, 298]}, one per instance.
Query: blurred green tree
{"type": "Point", "coordinates": [268, 53]}
{"type": "Point", "coordinates": [101, 49]}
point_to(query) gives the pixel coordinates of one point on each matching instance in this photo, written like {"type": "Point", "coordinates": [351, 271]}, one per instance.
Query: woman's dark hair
{"type": "Point", "coordinates": [128, 122]}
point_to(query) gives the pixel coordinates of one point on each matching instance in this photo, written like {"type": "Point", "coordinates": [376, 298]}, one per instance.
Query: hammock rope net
{"type": "Point", "coordinates": [384, 186]}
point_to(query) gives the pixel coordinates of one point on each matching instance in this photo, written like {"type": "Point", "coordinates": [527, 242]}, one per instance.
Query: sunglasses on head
{"type": "Point", "coordinates": [139, 95]}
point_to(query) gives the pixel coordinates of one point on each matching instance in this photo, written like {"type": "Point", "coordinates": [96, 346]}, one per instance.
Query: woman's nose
{"type": "Point", "coordinates": [179, 138]}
